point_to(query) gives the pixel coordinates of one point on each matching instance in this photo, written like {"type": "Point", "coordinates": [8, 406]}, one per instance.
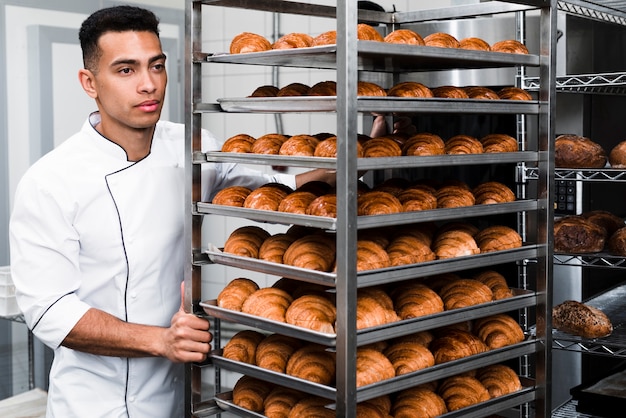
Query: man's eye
{"type": "Point", "coordinates": [159, 67]}
{"type": "Point", "coordinates": [125, 70]}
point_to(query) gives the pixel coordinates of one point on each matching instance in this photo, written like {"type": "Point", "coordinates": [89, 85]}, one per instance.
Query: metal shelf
{"type": "Point", "coordinates": [591, 175]}
{"type": "Point", "coordinates": [601, 83]}
{"type": "Point", "coordinates": [590, 260]}
{"type": "Point", "coordinates": [612, 11]}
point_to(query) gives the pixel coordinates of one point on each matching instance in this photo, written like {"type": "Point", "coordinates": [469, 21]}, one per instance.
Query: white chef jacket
{"type": "Point", "coordinates": [91, 229]}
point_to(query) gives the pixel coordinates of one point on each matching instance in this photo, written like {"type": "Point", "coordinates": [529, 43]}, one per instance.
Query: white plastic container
{"type": "Point", "coordinates": [8, 304]}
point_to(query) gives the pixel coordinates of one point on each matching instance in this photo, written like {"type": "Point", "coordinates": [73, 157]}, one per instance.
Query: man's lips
{"type": "Point", "coordinates": [149, 106]}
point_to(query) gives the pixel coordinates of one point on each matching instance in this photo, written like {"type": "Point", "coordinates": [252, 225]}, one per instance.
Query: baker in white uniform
{"type": "Point", "coordinates": [96, 235]}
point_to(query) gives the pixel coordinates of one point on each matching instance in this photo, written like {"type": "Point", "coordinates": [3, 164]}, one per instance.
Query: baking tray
{"type": "Point", "coordinates": [521, 298]}
{"type": "Point", "coordinates": [605, 397]}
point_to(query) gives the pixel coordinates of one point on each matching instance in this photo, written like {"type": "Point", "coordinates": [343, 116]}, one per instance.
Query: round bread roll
{"type": "Point", "coordinates": [617, 156]}
{"type": "Point", "coordinates": [498, 143]}
{"type": "Point", "coordinates": [365, 88]}
{"type": "Point", "coordinates": [616, 243]}
{"type": "Point", "coordinates": [326, 38]}
{"type": "Point", "coordinates": [268, 144]}
{"type": "Point", "coordinates": [231, 196]}
{"type": "Point", "coordinates": [574, 151]}
{"type": "Point", "coordinates": [481, 93]}
{"type": "Point", "coordinates": [324, 205]}
{"type": "Point", "coordinates": [323, 88]}
{"type": "Point", "coordinates": [497, 238]}
{"type": "Point", "coordinates": [510, 46]}
{"type": "Point", "coordinates": [245, 241]}
{"type": "Point", "coordinates": [265, 91]}
{"type": "Point", "coordinates": [514, 93]}
{"type": "Point", "coordinates": [366, 32]}
{"type": "Point", "coordinates": [424, 144]}
{"type": "Point", "coordinates": [449, 92]}
{"type": "Point", "coordinates": [377, 203]}
{"type": "Point", "coordinates": [238, 143]}
{"type": "Point", "coordinates": [299, 145]}
{"type": "Point", "coordinates": [410, 89]}
{"type": "Point", "coordinates": [404, 36]}
{"type": "Point", "coordinates": [475, 44]}
{"type": "Point", "coordinates": [235, 293]}
{"type": "Point", "coordinates": [293, 40]}
{"type": "Point", "coordinates": [267, 197]}
{"type": "Point", "coordinates": [575, 234]}
{"type": "Point", "coordinates": [463, 144]}
{"type": "Point", "coordinates": [249, 42]}
{"type": "Point", "coordinates": [492, 192]}
{"type": "Point", "coordinates": [441, 40]}
{"type": "Point", "coordinates": [294, 89]}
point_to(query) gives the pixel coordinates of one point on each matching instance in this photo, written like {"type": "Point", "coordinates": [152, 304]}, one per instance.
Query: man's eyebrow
{"type": "Point", "coordinates": [130, 61]}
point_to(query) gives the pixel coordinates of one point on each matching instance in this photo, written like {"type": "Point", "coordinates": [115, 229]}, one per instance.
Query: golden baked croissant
{"type": "Point", "coordinates": [315, 252]}
{"type": "Point", "coordinates": [314, 312]}
{"type": "Point", "coordinates": [273, 352]}
{"type": "Point", "coordinates": [296, 202]}
{"type": "Point", "coordinates": [313, 363]}
{"type": "Point", "coordinates": [413, 199]}
{"type": "Point", "coordinates": [274, 247]}
{"type": "Point", "coordinates": [372, 366]}
{"type": "Point", "coordinates": [418, 402]}
{"type": "Point", "coordinates": [498, 143]}
{"type": "Point", "coordinates": [268, 144]}
{"type": "Point", "coordinates": [499, 379]}
{"type": "Point", "coordinates": [382, 146]}
{"type": "Point", "coordinates": [491, 192]}
{"type": "Point", "coordinates": [242, 346]}
{"type": "Point", "coordinates": [372, 311]}
{"type": "Point", "coordinates": [454, 344]}
{"type": "Point", "coordinates": [496, 282]}
{"type": "Point", "coordinates": [424, 144]}
{"type": "Point", "coordinates": [454, 196]}
{"type": "Point", "coordinates": [293, 89]}
{"type": "Point", "coordinates": [475, 44]}
{"type": "Point", "coordinates": [326, 38]}
{"type": "Point", "coordinates": [449, 92]}
{"type": "Point", "coordinates": [231, 196]}
{"type": "Point", "coordinates": [510, 46]}
{"type": "Point", "coordinates": [328, 148]}
{"type": "Point", "coordinates": [415, 299]}
{"type": "Point", "coordinates": [366, 32]}
{"type": "Point", "coordinates": [408, 357]}
{"type": "Point", "coordinates": [404, 36]}
{"type": "Point", "coordinates": [465, 292]}
{"type": "Point", "coordinates": [245, 241]}
{"type": "Point", "coordinates": [265, 91]}
{"type": "Point", "coordinates": [323, 88]}
{"type": "Point", "coordinates": [463, 144]}
{"type": "Point", "coordinates": [250, 392]}
{"type": "Point", "coordinates": [383, 403]}
{"type": "Point", "coordinates": [441, 40]}
{"type": "Point", "coordinates": [238, 143]}
{"type": "Point", "coordinates": [367, 409]}
{"type": "Point", "coordinates": [377, 203]}
{"type": "Point", "coordinates": [268, 302]}
{"type": "Point", "coordinates": [249, 42]}
{"type": "Point", "coordinates": [280, 401]}
{"type": "Point", "coordinates": [293, 40]}
{"type": "Point", "coordinates": [409, 249]}
{"type": "Point", "coordinates": [300, 145]}
{"type": "Point", "coordinates": [325, 205]}
{"type": "Point", "coordinates": [410, 89]}
{"type": "Point", "coordinates": [482, 93]}
{"type": "Point", "coordinates": [312, 406]}
{"type": "Point", "coordinates": [462, 391]}
{"type": "Point", "coordinates": [365, 88]}
{"type": "Point", "coordinates": [513, 93]}
{"type": "Point", "coordinates": [267, 197]}
{"type": "Point", "coordinates": [497, 238]}
{"type": "Point", "coordinates": [235, 293]}
{"type": "Point", "coordinates": [371, 255]}
{"type": "Point", "coordinates": [498, 331]}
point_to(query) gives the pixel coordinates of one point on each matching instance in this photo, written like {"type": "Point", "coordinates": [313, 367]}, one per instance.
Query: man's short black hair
{"type": "Point", "coordinates": [113, 19]}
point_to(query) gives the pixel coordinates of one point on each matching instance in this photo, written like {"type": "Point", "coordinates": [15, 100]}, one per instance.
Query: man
{"type": "Point", "coordinates": [96, 234]}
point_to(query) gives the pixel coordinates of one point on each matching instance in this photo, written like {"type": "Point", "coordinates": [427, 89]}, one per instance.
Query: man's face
{"type": "Point", "coordinates": [130, 80]}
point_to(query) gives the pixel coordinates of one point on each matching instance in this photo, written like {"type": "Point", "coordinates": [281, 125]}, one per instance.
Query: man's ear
{"type": "Point", "coordinates": [87, 81]}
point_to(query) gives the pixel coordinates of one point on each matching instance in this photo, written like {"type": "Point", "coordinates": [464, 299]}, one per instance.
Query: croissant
{"type": "Point", "coordinates": [245, 241]}
{"type": "Point", "coordinates": [409, 249]}
{"type": "Point", "coordinates": [250, 392]}
{"type": "Point", "coordinates": [299, 145]}
{"type": "Point", "coordinates": [462, 293]}
{"type": "Point", "coordinates": [475, 44]}
{"type": "Point", "coordinates": [498, 143]}
{"type": "Point", "coordinates": [239, 143]}
{"type": "Point", "coordinates": [293, 89]}
{"type": "Point", "coordinates": [514, 93]}
{"type": "Point", "coordinates": [371, 312]}
{"type": "Point", "coordinates": [424, 144]}
{"type": "Point", "coordinates": [463, 144]}
{"type": "Point", "coordinates": [418, 402]}
{"type": "Point", "coordinates": [372, 366]}
{"type": "Point", "coordinates": [235, 293]}
{"type": "Point", "coordinates": [313, 363]}
{"type": "Point", "coordinates": [454, 196]}
{"type": "Point", "coordinates": [454, 344]}
{"type": "Point", "coordinates": [414, 300]}
{"type": "Point", "coordinates": [449, 92]}
{"type": "Point", "coordinates": [249, 42]}
{"type": "Point", "coordinates": [315, 252]}
{"type": "Point", "coordinates": [441, 40]}
{"type": "Point", "coordinates": [497, 238]}
{"type": "Point", "coordinates": [408, 357]}
{"type": "Point", "coordinates": [404, 36]}
{"type": "Point", "coordinates": [280, 401]}
{"type": "Point", "coordinates": [274, 247]}
{"type": "Point", "coordinates": [462, 391]}
{"type": "Point", "coordinates": [323, 88]}
{"type": "Point", "coordinates": [273, 352]}
{"type": "Point", "coordinates": [314, 312]}
{"type": "Point", "coordinates": [242, 346]}
{"type": "Point", "coordinates": [296, 202]}
{"type": "Point", "coordinates": [365, 88]}
{"type": "Point", "coordinates": [492, 192]}
{"type": "Point", "coordinates": [231, 196]}
{"type": "Point", "coordinates": [496, 282]}
{"type": "Point", "coordinates": [265, 91]}
{"type": "Point", "coordinates": [369, 409]}
{"type": "Point", "coordinates": [410, 89]}
{"type": "Point", "coordinates": [269, 302]}
{"type": "Point", "coordinates": [366, 32]}
{"type": "Point", "coordinates": [326, 38]}
{"type": "Point", "coordinates": [371, 255]}
{"type": "Point", "coordinates": [311, 407]}
{"type": "Point", "coordinates": [268, 144]}
{"type": "Point", "coordinates": [293, 40]}
{"type": "Point", "coordinates": [510, 46]}
{"type": "Point", "coordinates": [483, 93]}
{"type": "Point", "coordinates": [417, 199]}
{"type": "Point", "coordinates": [267, 197]}
{"type": "Point", "coordinates": [377, 203]}
{"type": "Point", "coordinates": [499, 379]}
{"type": "Point", "coordinates": [498, 331]}
{"type": "Point", "coordinates": [382, 146]}
{"type": "Point", "coordinates": [328, 148]}
{"type": "Point", "coordinates": [455, 243]}
{"type": "Point", "coordinates": [325, 205]}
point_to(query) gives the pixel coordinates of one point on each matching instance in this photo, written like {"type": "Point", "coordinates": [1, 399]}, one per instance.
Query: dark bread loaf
{"type": "Point", "coordinates": [573, 151]}
{"type": "Point", "coordinates": [580, 319]}
{"type": "Point", "coordinates": [575, 234]}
